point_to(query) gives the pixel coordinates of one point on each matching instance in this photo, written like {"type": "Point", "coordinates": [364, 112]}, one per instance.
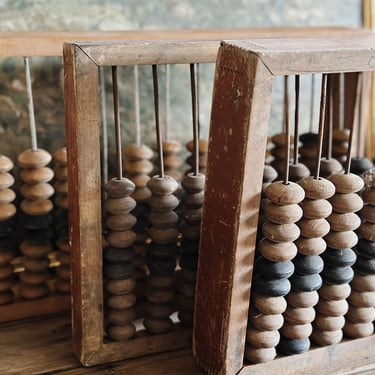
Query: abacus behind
{"type": "Point", "coordinates": [250, 313]}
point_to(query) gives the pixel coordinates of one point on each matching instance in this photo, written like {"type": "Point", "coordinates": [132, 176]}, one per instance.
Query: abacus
{"type": "Point", "coordinates": [255, 312]}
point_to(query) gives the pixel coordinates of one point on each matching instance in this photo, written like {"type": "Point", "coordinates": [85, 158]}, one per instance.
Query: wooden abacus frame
{"type": "Point", "coordinates": [239, 122]}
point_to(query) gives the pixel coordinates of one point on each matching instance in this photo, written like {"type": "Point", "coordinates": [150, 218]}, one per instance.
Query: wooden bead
{"type": "Point", "coordinates": [133, 167]}
{"type": "Point", "coordinates": [363, 283]}
{"type": "Point", "coordinates": [162, 185]}
{"type": "Point", "coordinates": [7, 196]}
{"type": "Point", "coordinates": [192, 215]}
{"type": "Point", "coordinates": [344, 221]}
{"type": "Point", "coordinates": [33, 291]}
{"type": "Point", "coordinates": [341, 240]}
{"type": "Point", "coordinates": [326, 338]}
{"type": "Point", "coordinates": [368, 196]}
{"type": "Point", "coordinates": [118, 188]}
{"type": "Point", "coordinates": [63, 272]}
{"type": "Point", "coordinates": [361, 314]}
{"type": "Point", "coordinates": [6, 294]}
{"type": "Point", "coordinates": [141, 194]}
{"type": "Point", "coordinates": [33, 250]}
{"type": "Point", "coordinates": [193, 199]}
{"type": "Point", "coordinates": [316, 208]}
{"type": "Point", "coordinates": [299, 315]}
{"type": "Point", "coordinates": [202, 146]}
{"type": "Point", "coordinates": [61, 172]}
{"type": "Point", "coordinates": [160, 296]}
{"type": "Point", "coordinates": [116, 255]}
{"type": "Point", "coordinates": [163, 203]}
{"type": "Point", "coordinates": [140, 180]}
{"type": "Point", "coordinates": [279, 152]}
{"type": "Point", "coordinates": [6, 180]}
{"type": "Point", "coordinates": [284, 194]}
{"type": "Point", "coordinates": [311, 246]}
{"type": "Point", "coordinates": [357, 330]}
{"type": "Point", "coordinates": [280, 139]}
{"type": "Point", "coordinates": [120, 287]}
{"type": "Point", "coordinates": [320, 188]}
{"type": "Point", "coordinates": [329, 167]}
{"type": "Point", "coordinates": [161, 281]}
{"type": "Point", "coordinates": [37, 191]}
{"type": "Point", "coordinates": [61, 156]}
{"type": "Point", "coordinates": [362, 299]}
{"type": "Point", "coordinates": [138, 152]}
{"type": "Point", "coordinates": [6, 256]}
{"type": "Point", "coordinates": [163, 235]}
{"type": "Point", "coordinates": [367, 231]}
{"type": "Point", "coordinates": [36, 175]}
{"type": "Point", "coordinates": [6, 271]}
{"type": "Point", "coordinates": [333, 307]}
{"type": "Point", "coordinates": [296, 331]}
{"type": "Point", "coordinates": [190, 231]}
{"type": "Point", "coordinates": [298, 171]}
{"type": "Point", "coordinates": [283, 214]}
{"type": "Point", "coordinates": [163, 219]}
{"type": "Point", "coordinates": [302, 299]}
{"type": "Point", "coordinates": [280, 232]}
{"type": "Point", "coordinates": [157, 326]}
{"type": "Point", "coordinates": [121, 332]}
{"type": "Point", "coordinates": [120, 239]}
{"type": "Point", "coordinates": [121, 302]}
{"type": "Point", "coordinates": [120, 222]}
{"type": "Point", "coordinates": [159, 312]}
{"type": "Point", "coordinates": [277, 252]}
{"type": "Point", "coordinates": [172, 161]}
{"type": "Point", "coordinates": [116, 206]}
{"type": "Point", "coordinates": [269, 305]}
{"type": "Point", "coordinates": [334, 291]}
{"type": "Point", "coordinates": [266, 322]}
{"type": "Point", "coordinates": [367, 213]}
{"type": "Point", "coordinates": [34, 158]}
{"type": "Point", "coordinates": [171, 147]}
{"type": "Point", "coordinates": [61, 187]}
{"type": "Point", "coordinates": [37, 207]}
{"type": "Point", "coordinates": [34, 278]}
{"type": "Point", "coordinates": [262, 339]}
{"type": "Point", "coordinates": [6, 164]}
{"type": "Point", "coordinates": [329, 323]}
{"type": "Point", "coordinates": [121, 317]}
{"type": "Point", "coordinates": [259, 355]}
{"type": "Point", "coordinates": [313, 227]}
{"type": "Point", "coordinates": [347, 183]}
{"type": "Point", "coordinates": [269, 173]}
{"type": "Point", "coordinates": [7, 211]}
{"type": "Point", "coordinates": [35, 264]}
{"type": "Point", "coordinates": [340, 135]}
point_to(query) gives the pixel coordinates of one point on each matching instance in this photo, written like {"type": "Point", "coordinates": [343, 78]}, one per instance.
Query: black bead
{"type": "Point", "coordinates": [157, 266]}
{"type": "Point", "coordinates": [271, 287]}
{"type": "Point", "coordinates": [339, 258]}
{"type": "Point", "coordinates": [366, 247]}
{"type": "Point", "coordinates": [273, 270]}
{"type": "Point", "coordinates": [337, 275]}
{"type": "Point", "coordinates": [306, 283]}
{"type": "Point", "coordinates": [360, 165]}
{"type": "Point", "coordinates": [309, 138]}
{"type": "Point", "coordinates": [36, 222]}
{"type": "Point", "coordinates": [293, 346]}
{"type": "Point", "coordinates": [365, 265]}
{"type": "Point", "coordinates": [162, 251]}
{"type": "Point", "coordinates": [308, 264]}
{"type": "Point", "coordinates": [114, 254]}
{"type": "Point", "coordinates": [119, 271]}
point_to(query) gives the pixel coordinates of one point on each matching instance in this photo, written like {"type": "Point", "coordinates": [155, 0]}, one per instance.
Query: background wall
{"type": "Point", "coordinates": [18, 15]}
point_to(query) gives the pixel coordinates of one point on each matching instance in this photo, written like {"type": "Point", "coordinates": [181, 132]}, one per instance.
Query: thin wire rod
{"type": "Point", "coordinates": [312, 102]}
{"type": "Point", "coordinates": [287, 131]}
{"type": "Point", "coordinates": [195, 122]}
{"type": "Point", "coordinates": [323, 100]}
{"type": "Point", "coordinates": [136, 107]}
{"type": "Point", "coordinates": [329, 106]}
{"type": "Point", "coordinates": [158, 130]}
{"type": "Point", "coordinates": [355, 122]}
{"type": "Point", "coordinates": [34, 142]}
{"type": "Point", "coordinates": [167, 103]}
{"type": "Point", "coordinates": [103, 107]}
{"type": "Point", "coordinates": [296, 120]}
{"type": "Point", "coordinates": [198, 105]}
{"type": "Point", "coordinates": [117, 123]}
{"type": "Point", "coordinates": [286, 102]}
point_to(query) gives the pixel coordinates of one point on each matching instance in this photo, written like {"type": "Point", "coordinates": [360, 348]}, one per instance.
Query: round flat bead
{"type": "Point", "coordinates": [360, 165]}
{"type": "Point", "coordinates": [193, 199]}
{"type": "Point", "coordinates": [35, 264]}
{"type": "Point", "coordinates": [6, 256]}
{"type": "Point", "coordinates": [367, 213]}
{"type": "Point", "coordinates": [280, 139]}
{"type": "Point", "coordinates": [202, 146]}
{"type": "Point", "coordinates": [316, 208]}
{"type": "Point", "coordinates": [192, 215]}
{"type": "Point", "coordinates": [33, 291]}
{"type": "Point", "coordinates": [142, 151]}
{"type": "Point", "coordinates": [37, 222]}
{"type": "Point", "coordinates": [269, 305]}
{"type": "Point", "coordinates": [120, 222]}
{"type": "Point", "coordinates": [163, 203]}
{"type": "Point", "coordinates": [160, 295]}
{"type": "Point", "coordinates": [271, 287]}
{"type": "Point", "coordinates": [36, 175]}
{"type": "Point", "coordinates": [115, 255]}
{"type": "Point", "coordinates": [121, 239]}
{"type": "Point", "coordinates": [368, 195]}
{"type": "Point", "coordinates": [34, 158]}
{"type": "Point", "coordinates": [347, 183]}
{"type": "Point", "coordinates": [333, 307]}
{"type": "Point", "coordinates": [61, 187]}
{"type": "Point", "coordinates": [350, 202]}
{"type": "Point", "coordinates": [326, 338]}
{"type": "Point", "coordinates": [341, 240]}
{"type": "Point", "coordinates": [280, 232]}
{"type": "Point", "coordinates": [308, 264]}
{"type": "Point", "coordinates": [266, 322]}
{"type": "Point", "coordinates": [313, 227]}
{"type": "Point", "coordinates": [121, 302]}
{"type": "Point", "coordinates": [141, 194]}
{"type": "Point", "coordinates": [361, 314]}
{"type": "Point", "coordinates": [6, 164]}
{"type": "Point", "coordinates": [171, 147]}
{"type": "Point", "coordinates": [311, 246]}
{"type": "Point", "coordinates": [34, 250]}
{"type": "Point", "coordinates": [121, 317]}
{"type": "Point", "coordinates": [161, 266]}
{"type": "Point", "coordinates": [283, 214]}
{"type": "Point", "coordinates": [6, 271]}
{"type": "Point", "coordinates": [362, 299]}
{"type": "Point", "coordinates": [163, 219]}
{"type": "Point", "coordinates": [299, 315]}
{"type": "Point", "coordinates": [329, 323]}
{"type": "Point", "coordinates": [298, 171]}
{"type": "Point", "coordinates": [158, 326]}
{"type": "Point", "coordinates": [262, 339]}
{"type": "Point", "coordinates": [277, 252]}
{"type": "Point", "coordinates": [306, 283]}
{"type": "Point", "coordinates": [118, 188]}
{"type": "Point", "coordinates": [341, 135]}
{"type": "Point", "coordinates": [276, 270]}
{"type": "Point", "coordinates": [34, 278]}
{"type": "Point", "coordinates": [121, 332]}
{"type": "Point", "coordinates": [37, 191]}
{"type": "Point", "coordinates": [121, 286]}
{"type": "Point", "coordinates": [329, 167]}
{"type": "Point", "coordinates": [6, 180]}
{"type": "Point", "coordinates": [320, 188]}
{"type": "Point", "coordinates": [259, 355]}
{"type": "Point", "coordinates": [339, 258]}
{"type": "Point", "coordinates": [363, 283]}
{"type": "Point", "coordinates": [61, 172]}
{"type": "Point", "coordinates": [163, 235]}
{"type": "Point", "coordinates": [367, 231]}
{"type": "Point", "coordinates": [337, 275]}
{"type": "Point", "coordinates": [138, 167]}
{"type": "Point", "coordinates": [162, 185]}
{"type": "Point", "coordinates": [269, 173]}
{"type": "Point", "coordinates": [7, 211]}
{"type": "Point", "coordinates": [344, 221]}
{"type": "Point", "coordinates": [117, 206]}
{"type": "Point", "coordinates": [37, 207]}
{"type": "Point", "coordinates": [284, 194]}
{"type": "Point", "coordinates": [140, 180]}
{"type": "Point", "coordinates": [162, 250]}
{"type": "Point", "coordinates": [302, 299]}
{"type": "Point", "coordinates": [357, 330]}
{"type": "Point", "coordinates": [309, 152]}
{"type": "Point", "coordinates": [61, 156]}
{"type": "Point", "coordinates": [308, 138]}
{"type": "Point", "coordinates": [293, 345]}
{"type": "Point", "coordinates": [172, 161]}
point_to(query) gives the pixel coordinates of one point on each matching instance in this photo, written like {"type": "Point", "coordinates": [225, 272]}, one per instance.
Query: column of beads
{"type": "Point", "coordinates": [360, 317]}
{"type": "Point", "coordinates": [37, 219]}
{"type": "Point", "coordinates": [308, 264]}
{"type": "Point", "coordinates": [118, 267]}
{"type": "Point", "coordinates": [172, 160]}
{"type": "Point", "coordinates": [61, 220]}
{"type": "Point", "coordinates": [272, 270]}
{"type": "Point", "coordinates": [202, 149]}
{"type": "Point", "coordinates": [340, 144]}
{"type": "Point", "coordinates": [7, 242]}
{"type": "Point", "coordinates": [161, 253]}
{"type": "Point", "coordinates": [338, 259]}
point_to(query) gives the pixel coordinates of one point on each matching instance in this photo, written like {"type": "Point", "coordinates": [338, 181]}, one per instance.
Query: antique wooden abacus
{"type": "Point", "coordinates": [236, 294]}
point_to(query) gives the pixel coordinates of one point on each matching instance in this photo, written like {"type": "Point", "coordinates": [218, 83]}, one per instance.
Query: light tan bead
{"type": "Point", "coordinates": [277, 252]}
{"type": "Point", "coordinates": [7, 211]}
{"type": "Point", "coordinates": [171, 147]}
{"type": "Point", "coordinates": [368, 196]}
{"type": "Point", "coordinates": [296, 331]}
{"type": "Point", "coordinates": [347, 183]}
{"type": "Point", "coordinates": [299, 315]}
{"type": "Point", "coordinates": [316, 208]}
{"type": "Point", "coordinates": [367, 231]}
{"type": "Point", "coordinates": [320, 188]}
{"type": "Point", "coordinates": [302, 299]}
{"type": "Point", "coordinates": [262, 339]}
{"type": "Point", "coordinates": [341, 240]}
{"type": "Point", "coordinates": [362, 299]}
{"type": "Point", "coordinates": [284, 194]}
{"type": "Point", "coordinates": [368, 213]}
{"type": "Point", "coordinates": [7, 196]}
{"type": "Point", "coordinates": [332, 308]}
{"type": "Point", "coordinates": [357, 330]}
{"type": "Point", "coordinates": [334, 291]}
{"type": "Point", "coordinates": [269, 305]}
{"type": "Point", "coordinates": [202, 146]}
{"type": "Point", "coordinates": [140, 180]}
{"type": "Point", "coordinates": [139, 152]}
{"type": "Point", "coordinates": [36, 175]}
{"type": "Point", "coordinates": [329, 323]}
{"type": "Point", "coordinates": [121, 332]}
{"type": "Point", "coordinates": [138, 166]}
{"type": "Point", "coordinates": [259, 355]}
{"type": "Point", "coordinates": [311, 246]}
{"type": "Point", "coordinates": [6, 180]}
{"type": "Point", "coordinates": [363, 283]}
{"type": "Point", "coordinates": [60, 156]}
{"type": "Point", "coordinates": [313, 227]}
{"type": "Point", "coordinates": [6, 164]}
{"type": "Point", "coordinates": [343, 203]}
{"type": "Point", "coordinates": [361, 314]}
{"type": "Point", "coordinates": [344, 222]}
{"type": "Point", "coordinates": [266, 322]}
{"type": "Point", "coordinates": [37, 191]}
{"type": "Point", "coordinates": [34, 158]}
{"type": "Point", "coordinates": [280, 232]}
{"type": "Point", "coordinates": [326, 338]}
{"type": "Point", "coordinates": [37, 207]}
{"type": "Point", "coordinates": [283, 214]}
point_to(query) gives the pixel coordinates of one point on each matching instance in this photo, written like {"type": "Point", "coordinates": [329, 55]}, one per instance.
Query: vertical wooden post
{"type": "Point", "coordinates": [83, 149]}
{"type": "Point", "coordinates": [237, 145]}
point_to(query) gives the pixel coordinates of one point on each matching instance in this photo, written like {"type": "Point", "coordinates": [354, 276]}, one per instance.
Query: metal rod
{"type": "Point", "coordinates": [195, 122]}
{"type": "Point", "coordinates": [312, 102]}
{"type": "Point", "coordinates": [34, 142]}
{"type": "Point", "coordinates": [136, 107]}
{"type": "Point", "coordinates": [287, 130]}
{"type": "Point", "coordinates": [167, 103]}
{"type": "Point", "coordinates": [158, 131]}
{"type": "Point", "coordinates": [355, 122]}
{"type": "Point", "coordinates": [198, 106]}
{"type": "Point", "coordinates": [103, 107]}
{"type": "Point", "coordinates": [323, 100]}
{"type": "Point", "coordinates": [117, 122]}
{"type": "Point", "coordinates": [296, 120]}
{"type": "Point", "coordinates": [329, 106]}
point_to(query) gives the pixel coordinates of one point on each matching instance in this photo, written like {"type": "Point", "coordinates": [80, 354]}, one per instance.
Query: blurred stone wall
{"type": "Point", "coordinates": [23, 15]}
